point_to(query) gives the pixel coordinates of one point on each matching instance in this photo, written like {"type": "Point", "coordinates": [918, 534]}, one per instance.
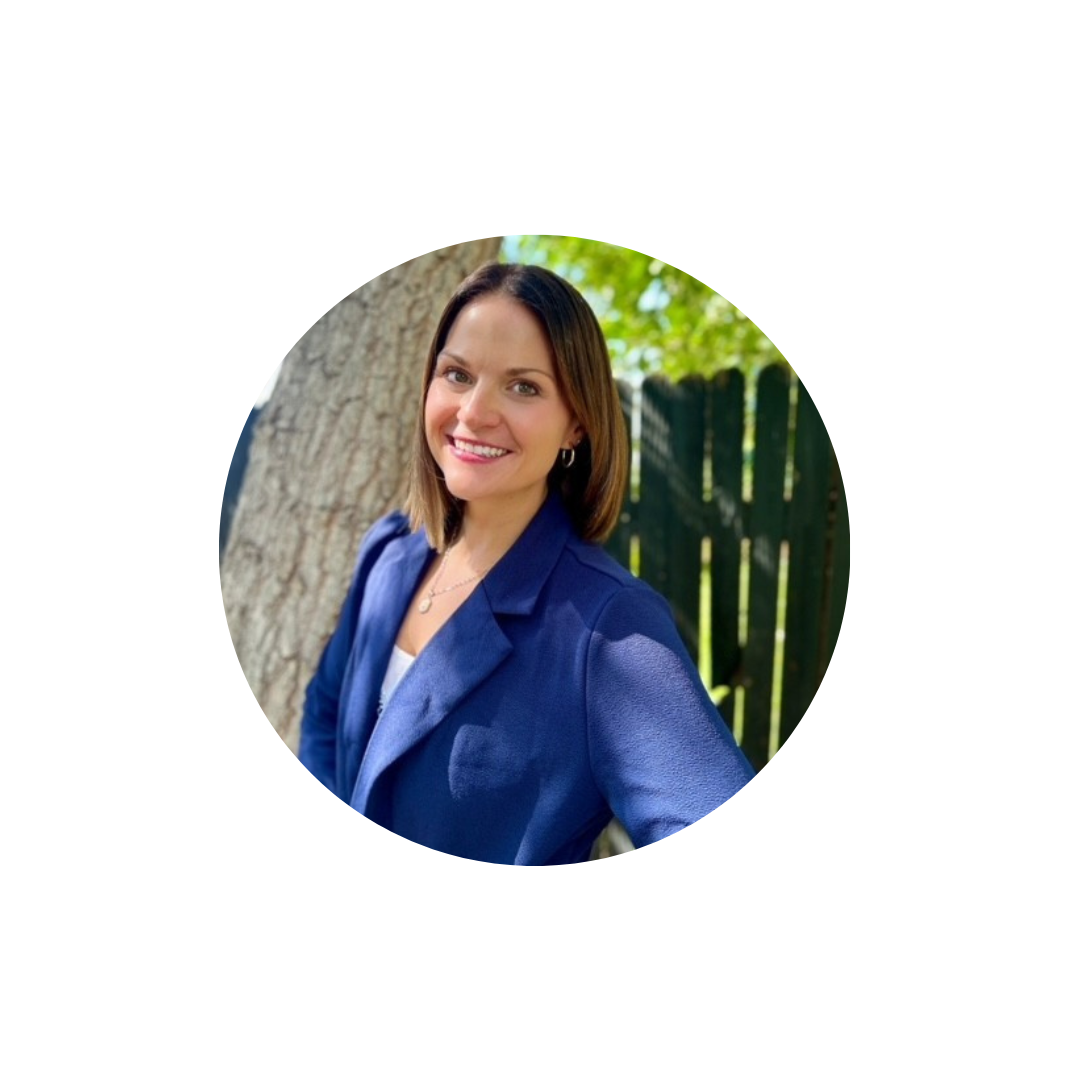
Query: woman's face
{"type": "Point", "coordinates": [494, 418]}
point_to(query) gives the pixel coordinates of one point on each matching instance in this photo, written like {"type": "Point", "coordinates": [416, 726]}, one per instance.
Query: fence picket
{"type": "Point", "coordinates": [670, 498]}
{"type": "Point", "coordinates": [839, 563]}
{"type": "Point", "coordinates": [807, 563]}
{"type": "Point", "coordinates": [727, 520]}
{"type": "Point", "coordinates": [766, 532]}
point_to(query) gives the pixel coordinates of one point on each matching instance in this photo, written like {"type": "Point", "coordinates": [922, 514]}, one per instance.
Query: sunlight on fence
{"type": "Point", "coordinates": [735, 512]}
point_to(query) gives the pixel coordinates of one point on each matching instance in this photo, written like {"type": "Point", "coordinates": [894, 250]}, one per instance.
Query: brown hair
{"type": "Point", "coordinates": [593, 487]}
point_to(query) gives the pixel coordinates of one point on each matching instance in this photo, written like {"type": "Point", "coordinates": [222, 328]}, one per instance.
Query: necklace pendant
{"type": "Point", "coordinates": [424, 606]}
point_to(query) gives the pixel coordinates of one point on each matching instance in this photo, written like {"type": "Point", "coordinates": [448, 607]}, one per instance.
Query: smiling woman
{"type": "Point", "coordinates": [498, 687]}
{"type": "Point", "coordinates": [495, 418]}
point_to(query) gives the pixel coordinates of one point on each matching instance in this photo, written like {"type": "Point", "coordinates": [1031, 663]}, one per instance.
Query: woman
{"type": "Point", "coordinates": [498, 686]}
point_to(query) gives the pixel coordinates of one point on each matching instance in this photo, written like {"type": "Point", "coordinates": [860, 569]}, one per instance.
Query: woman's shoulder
{"type": "Point", "coordinates": [391, 527]}
{"type": "Point", "coordinates": [596, 565]}
{"type": "Point", "coordinates": [608, 583]}
{"type": "Point", "coordinates": [393, 524]}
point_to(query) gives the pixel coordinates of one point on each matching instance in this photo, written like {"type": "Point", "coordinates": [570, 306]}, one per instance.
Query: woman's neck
{"type": "Point", "coordinates": [488, 532]}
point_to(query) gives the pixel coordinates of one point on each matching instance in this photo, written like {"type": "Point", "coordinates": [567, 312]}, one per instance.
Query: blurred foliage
{"type": "Point", "coordinates": [656, 318]}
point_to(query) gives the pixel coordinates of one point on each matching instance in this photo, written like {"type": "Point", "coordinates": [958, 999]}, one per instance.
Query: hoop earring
{"type": "Point", "coordinates": [565, 461]}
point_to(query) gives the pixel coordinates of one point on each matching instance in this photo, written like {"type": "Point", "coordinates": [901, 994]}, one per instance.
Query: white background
{"type": "Point", "coordinates": [887, 192]}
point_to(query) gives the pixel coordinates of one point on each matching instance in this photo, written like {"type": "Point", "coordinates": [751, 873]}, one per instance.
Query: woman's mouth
{"type": "Point", "coordinates": [476, 450]}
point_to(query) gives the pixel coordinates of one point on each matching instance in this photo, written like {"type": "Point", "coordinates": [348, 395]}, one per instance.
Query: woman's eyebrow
{"type": "Point", "coordinates": [512, 372]}
{"type": "Point", "coordinates": [453, 356]}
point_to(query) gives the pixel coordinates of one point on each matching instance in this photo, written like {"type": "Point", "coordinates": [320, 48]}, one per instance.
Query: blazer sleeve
{"type": "Point", "coordinates": [661, 754]}
{"type": "Point", "coordinates": [319, 724]}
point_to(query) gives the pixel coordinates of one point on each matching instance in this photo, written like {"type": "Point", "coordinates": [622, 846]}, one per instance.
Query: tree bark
{"type": "Point", "coordinates": [328, 457]}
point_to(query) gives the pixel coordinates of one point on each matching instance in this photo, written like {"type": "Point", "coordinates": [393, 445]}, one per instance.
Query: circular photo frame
{"type": "Point", "coordinates": [534, 550]}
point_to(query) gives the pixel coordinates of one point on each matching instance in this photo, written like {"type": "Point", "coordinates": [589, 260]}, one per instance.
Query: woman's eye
{"type": "Point", "coordinates": [526, 389]}
{"type": "Point", "coordinates": [455, 376]}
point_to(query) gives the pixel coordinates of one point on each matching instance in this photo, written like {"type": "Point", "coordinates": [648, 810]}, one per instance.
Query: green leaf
{"type": "Point", "coordinates": [655, 318]}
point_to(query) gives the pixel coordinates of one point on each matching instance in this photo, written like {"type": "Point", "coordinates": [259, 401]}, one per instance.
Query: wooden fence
{"type": "Point", "coordinates": [736, 513]}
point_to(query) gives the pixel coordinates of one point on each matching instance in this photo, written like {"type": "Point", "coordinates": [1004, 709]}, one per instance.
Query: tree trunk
{"type": "Point", "coordinates": [329, 456]}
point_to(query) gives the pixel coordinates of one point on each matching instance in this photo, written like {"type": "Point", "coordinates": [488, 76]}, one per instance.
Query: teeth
{"type": "Point", "coordinates": [482, 451]}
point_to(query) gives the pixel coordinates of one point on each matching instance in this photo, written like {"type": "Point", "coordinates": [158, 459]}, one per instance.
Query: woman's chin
{"type": "Point", "coordinates": [511, 504]}
{"type": "Point", "coordinates": [468, 482]}
{"type": "Point", "coordinates": [463, 490]}
{"type": "Point", "coordinates": [470, 493]}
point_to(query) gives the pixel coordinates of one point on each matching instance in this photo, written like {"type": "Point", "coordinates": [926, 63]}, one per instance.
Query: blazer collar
{"type": "Point", "coordinates": [467, 649]}
{"type": "Point", "coordinates": [514, 583]}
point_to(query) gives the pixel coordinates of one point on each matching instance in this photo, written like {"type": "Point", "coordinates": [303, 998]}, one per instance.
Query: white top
{"type": "Point", "coordinates": [400, 662]}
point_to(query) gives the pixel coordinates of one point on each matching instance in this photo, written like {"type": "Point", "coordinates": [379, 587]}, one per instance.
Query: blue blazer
{"type": "Point", "coordinates": [558, 694]}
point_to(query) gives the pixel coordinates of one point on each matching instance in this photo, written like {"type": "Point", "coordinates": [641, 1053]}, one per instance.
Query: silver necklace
{"type": "Point", "coordinates": [425, 605]}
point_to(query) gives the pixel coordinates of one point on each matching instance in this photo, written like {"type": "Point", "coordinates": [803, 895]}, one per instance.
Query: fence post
{"type": "Point", "coordinates": [726, 521]}
{"type": "Point", "coordinates": [670, 512]}
{"type": "Point", "coordinates": [818, 564]}
{"type": "Point", "coordinates": [766, 531]}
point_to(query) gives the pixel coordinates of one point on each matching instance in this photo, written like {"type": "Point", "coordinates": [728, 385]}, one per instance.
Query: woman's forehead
{"type": "Point", "coordinates": [488, 327]}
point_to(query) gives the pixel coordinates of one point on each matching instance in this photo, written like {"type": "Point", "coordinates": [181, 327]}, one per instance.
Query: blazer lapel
{"type": "Point", "coordinates": [465, 651]}
{"type": "Point", "coordinates": [389, 590]}
{"type": "Point", "coordinates": [468, 648]}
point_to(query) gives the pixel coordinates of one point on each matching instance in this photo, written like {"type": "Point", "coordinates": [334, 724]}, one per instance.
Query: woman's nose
{"type": "Point", "coordinates": [477, 408]}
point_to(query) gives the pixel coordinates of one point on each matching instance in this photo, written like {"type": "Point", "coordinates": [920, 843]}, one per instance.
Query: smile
{"type": "Point", "coordinates": [477, 448]}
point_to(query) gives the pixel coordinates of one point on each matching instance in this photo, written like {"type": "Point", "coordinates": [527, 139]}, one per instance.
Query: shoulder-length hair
{"type": "Point", "coordinates": [593, 486]}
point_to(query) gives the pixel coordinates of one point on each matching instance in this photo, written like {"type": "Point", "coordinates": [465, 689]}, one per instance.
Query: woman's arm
{"type": "Point", "coordinates": [319, 725]}
{"type": "Point", "coordinates": [661, 753]}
